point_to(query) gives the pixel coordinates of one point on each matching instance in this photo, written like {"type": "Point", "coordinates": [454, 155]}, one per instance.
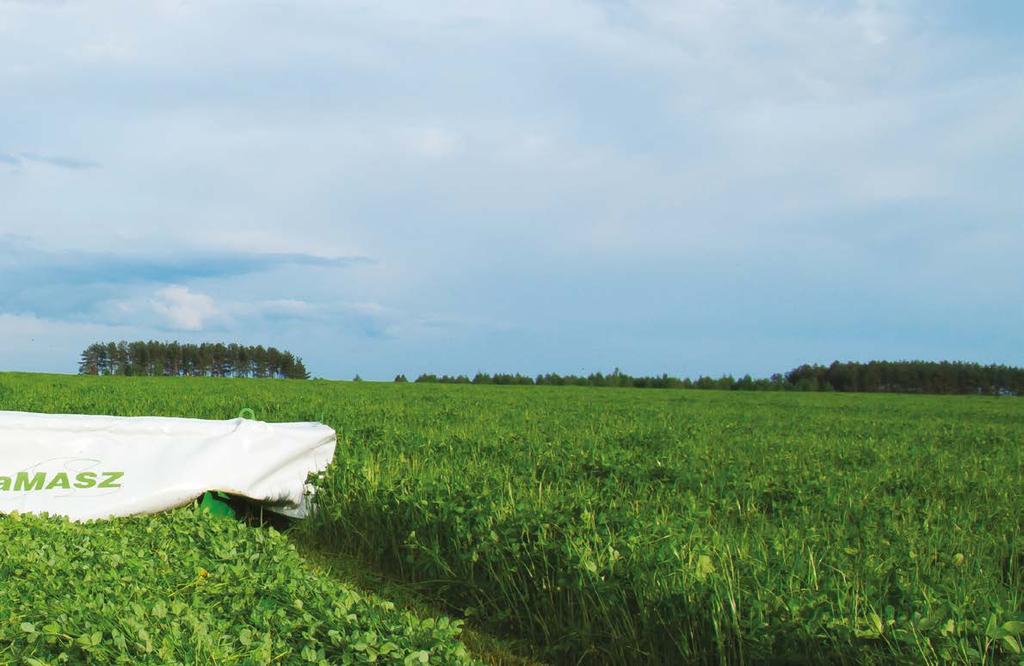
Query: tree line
{"type": "Point", "coordinates": [872, 377]}
{"type": "Point", "coordinates": [176, 359]}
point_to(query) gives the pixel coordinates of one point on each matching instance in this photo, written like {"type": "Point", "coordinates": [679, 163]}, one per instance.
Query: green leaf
{"type": "Point", "coordinates": [705, 567]}
{"type": "Point", "coordinates": [420, 657]}
{"type": "Point", "coordinates": [993, 630]}
{"type": "Point", "coordinates": [877, 623]}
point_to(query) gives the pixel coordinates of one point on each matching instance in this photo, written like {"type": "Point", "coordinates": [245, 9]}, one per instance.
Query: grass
{"type": "Point", "coordinates": [637, 526]}
{"type": "Point", "coordinates": [355, 572]}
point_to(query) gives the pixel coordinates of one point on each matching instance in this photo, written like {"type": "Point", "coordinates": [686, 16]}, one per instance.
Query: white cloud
{"type": "Point", "coordinates": [183, 309]}
{"type": "Point", "coordinates": [433, 142]}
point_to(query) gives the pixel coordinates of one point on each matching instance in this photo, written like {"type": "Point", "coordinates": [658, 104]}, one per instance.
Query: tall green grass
{"type": "Point", "coordinates": [660, 527]}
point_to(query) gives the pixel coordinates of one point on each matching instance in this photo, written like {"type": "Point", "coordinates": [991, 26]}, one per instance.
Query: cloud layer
{"type": "Point", "coordinates": [659, 186]}
{"type": "Point", "coordinates": [62, 162]}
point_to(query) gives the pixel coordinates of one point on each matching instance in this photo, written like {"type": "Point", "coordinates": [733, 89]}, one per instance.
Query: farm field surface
{"type": "Point", "coordinates": [599, 525]}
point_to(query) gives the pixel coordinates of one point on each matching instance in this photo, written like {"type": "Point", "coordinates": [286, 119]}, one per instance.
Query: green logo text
{"type": "Point", "coordinates": [25, 481]}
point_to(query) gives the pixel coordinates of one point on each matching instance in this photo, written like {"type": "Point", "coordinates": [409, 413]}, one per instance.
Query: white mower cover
{"type": "Point", "coordinates": [88, 467]}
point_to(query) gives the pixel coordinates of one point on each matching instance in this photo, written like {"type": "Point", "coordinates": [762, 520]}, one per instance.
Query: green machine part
{"type": "Point", "coordinates": [217, 504]}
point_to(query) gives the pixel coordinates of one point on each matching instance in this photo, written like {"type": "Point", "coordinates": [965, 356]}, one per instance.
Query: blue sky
{"type": "Point", "coordinates": [693, 188]}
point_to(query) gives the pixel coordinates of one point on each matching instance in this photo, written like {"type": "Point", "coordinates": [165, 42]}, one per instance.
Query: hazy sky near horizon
{"type": "Point", "coordinates": [687, 187]}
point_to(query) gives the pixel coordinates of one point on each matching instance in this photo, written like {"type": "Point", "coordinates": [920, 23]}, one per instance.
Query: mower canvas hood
{"type": "Point", "coordinates": [87, 467]}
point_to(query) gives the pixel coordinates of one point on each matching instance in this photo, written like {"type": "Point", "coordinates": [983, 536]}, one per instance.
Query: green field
{"type": "Point", "coordinates": [598, 525]}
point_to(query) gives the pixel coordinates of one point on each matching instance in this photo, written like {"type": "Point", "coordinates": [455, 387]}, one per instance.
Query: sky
{"type": "Point", "coordinates": [699, 187]}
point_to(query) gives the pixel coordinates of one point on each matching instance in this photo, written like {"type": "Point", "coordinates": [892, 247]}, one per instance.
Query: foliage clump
{"type": "Point", "coordinates": [187, 587]}
{"type": "Point", "coordinates": [177, 359]}
{"type": "Point", "coordinates": [875, 377]}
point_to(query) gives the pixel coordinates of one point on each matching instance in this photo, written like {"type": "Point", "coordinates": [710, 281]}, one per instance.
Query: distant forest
{"type": "Point", "coordinates": [233, 360]}
{"type": "Point", "coordinates": [872, 377]}
{"type": "Point", "coordinates": [175, 359]}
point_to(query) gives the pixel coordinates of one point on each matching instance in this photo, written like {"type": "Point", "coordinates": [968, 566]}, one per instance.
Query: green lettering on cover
{"type": "Point", "coordinates": [109, 478]}
{"type": "Point", "coordinates": [85, 480]}
{"type": "Point", "coordinates": [23, 482]}
{"type": "Point", "coordinates": [59, 480]}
